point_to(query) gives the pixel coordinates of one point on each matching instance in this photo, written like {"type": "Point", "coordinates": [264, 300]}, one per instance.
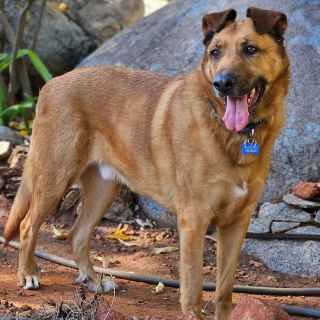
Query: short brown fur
{"type": "Point", "coordinates": [159, 136]}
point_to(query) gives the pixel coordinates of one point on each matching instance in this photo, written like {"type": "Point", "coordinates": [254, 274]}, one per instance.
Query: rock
{"type": "Point", "coordinates": [61, 42]}
{"type": "Point", "coordinates": [291, 257]}
{"type": "Point", "coordinates": [317, 217]}
{"type": "Point", "coordinates": [283, 226]}
{"type": "Point", "coordinates": [305, 230]}
{"type": "Point", "coordinates": [306, 190]}
{"type": "Point", "coordinates": [255, 309]}
{"type": "Point", "coordinates": [18, 157]}
{"type": "Point", "coordinates": [70, 200]}
{"type": "Point", "coordinates": [170, 41]}
{"type": "Point", "coordinates": [5, 149]}
{"type": "Point", "coordinates": [121, 211]}
{"type": "Point", "coordinates": [152, 6]}
{"type": "Point", "coordinates": [300, 203]}
{"type": "Point", "coordinates": [162, 216]}
{"type": "Point", "coordinates": [105, 18]}
{"type": "Point", "coordinates": [7, 134]}
{"type": "Point", "coordinates": [271, 213]}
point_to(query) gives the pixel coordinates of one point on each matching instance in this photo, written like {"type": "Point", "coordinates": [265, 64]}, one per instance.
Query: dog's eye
{"type": "Point", "coordinates": [215, 53]}
{"type": "Point", "coordinates": [250, 50]}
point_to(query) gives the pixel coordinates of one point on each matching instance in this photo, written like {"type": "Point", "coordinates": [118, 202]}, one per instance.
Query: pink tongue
{"type": "Point", "coordinates": [236, 116]}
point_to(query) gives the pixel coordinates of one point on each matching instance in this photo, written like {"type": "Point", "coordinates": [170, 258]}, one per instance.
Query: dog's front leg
{"type": "Point", "coordinates": [230, 239]}
{"type": "Point", "coordinates": [192, 228]}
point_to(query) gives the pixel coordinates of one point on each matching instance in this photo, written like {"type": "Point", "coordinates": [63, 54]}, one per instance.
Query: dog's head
{"type": "Point", "coordinates": [243, 59]}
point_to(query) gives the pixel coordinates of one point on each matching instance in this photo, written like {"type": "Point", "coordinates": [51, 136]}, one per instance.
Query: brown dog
{"type": "Point", "coordinates": [189, 142]}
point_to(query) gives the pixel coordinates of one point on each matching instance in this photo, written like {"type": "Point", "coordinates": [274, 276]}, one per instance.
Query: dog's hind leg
{"type": "Point", "coordinates": [44, 201]}
{"type": "Point", "coordinates": [97, 196]}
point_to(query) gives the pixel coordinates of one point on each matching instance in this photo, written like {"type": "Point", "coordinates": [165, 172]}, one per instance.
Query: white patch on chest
{"type": "Point", "coordinates": [240, 191]}
{"type": "Point", "coordinates": [108, 173]}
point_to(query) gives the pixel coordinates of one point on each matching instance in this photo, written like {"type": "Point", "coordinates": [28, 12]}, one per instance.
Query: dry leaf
{"type": "Point", "coordinates": [255, 264]}
{"type": "Point", "coordinates": [164, 250]}
{"type": "Point", "coordinates": [159, 288]}
{"type": "Point", "coordinates": [119, 234]}
{"type": "Point", "coordinates": [24, 132]}
{"type": "Point", "coordinates": [59, 234]}
{"type": "Point", "coordinates": [63, 7]}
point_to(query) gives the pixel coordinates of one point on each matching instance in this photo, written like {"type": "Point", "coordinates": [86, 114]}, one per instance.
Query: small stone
{"type": "Point", "coordinates": [312, 230]}
{"type": "Point", "coordinates": [255, 264]}
{"type": "Point", "coordinates": [7, 134]}
{"type": "Point", "coordinates": [70, 200]}
{"type": "Point", "coordinates": [283, 226]}
{"type": "Point", "coordinates": [317, 217]}
{"type": "Point", "coordinates": [98, 237]}
{"type": "Point", "coordinates": [306, 190]}
{"type": "Point", "coordinates": [5, 149]}
{"type": "Point", "coordinates": [255, 309]}
{"type": "Point", "coordinates": [207, 270]}
{"type": "Point", "coordinates": [293, 200]}
{"type": "Point", "coordinates": [18, 157]}
{"type": "Point", "coordinates": [280, 212]}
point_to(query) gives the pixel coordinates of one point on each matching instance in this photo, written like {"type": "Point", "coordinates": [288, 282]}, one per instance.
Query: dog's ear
{"type": "Point", "coordinates": [267, 21]}
{"type": "Point", "coordinates": [214, 22]}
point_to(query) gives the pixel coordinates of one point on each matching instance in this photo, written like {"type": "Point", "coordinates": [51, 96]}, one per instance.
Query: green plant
{"type": "Point", "coordinates": [23, 108]}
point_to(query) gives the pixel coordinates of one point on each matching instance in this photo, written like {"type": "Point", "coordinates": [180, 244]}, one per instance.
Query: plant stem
{"type": "Point", "coordinates": [17, 43]}
{"type": "Point", "coordinates": [6, 26]}
{"type": "Point", "coordinates": [5, 91]}
{"type": "Point", "coordinates": [37, 30]}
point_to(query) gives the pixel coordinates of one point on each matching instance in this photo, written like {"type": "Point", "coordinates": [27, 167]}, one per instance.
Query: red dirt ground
{"type": "Point", "coordinates": [138, 299]}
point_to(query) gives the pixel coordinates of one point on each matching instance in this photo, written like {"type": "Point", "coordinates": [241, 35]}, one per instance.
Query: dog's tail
{"type": "Point", "coordinates": [19, 209]}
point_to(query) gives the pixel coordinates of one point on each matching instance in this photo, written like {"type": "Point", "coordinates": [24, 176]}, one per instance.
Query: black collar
{"type": "Point", "coordinates": [246, 130]}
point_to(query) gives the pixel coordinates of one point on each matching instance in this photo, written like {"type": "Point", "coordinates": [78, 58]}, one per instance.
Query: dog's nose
{"type": "Point", "coordinates": [224, 82]}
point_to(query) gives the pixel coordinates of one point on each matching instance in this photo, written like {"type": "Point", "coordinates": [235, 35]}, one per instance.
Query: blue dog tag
{"type": "Point", "coordinates": [249, 148]}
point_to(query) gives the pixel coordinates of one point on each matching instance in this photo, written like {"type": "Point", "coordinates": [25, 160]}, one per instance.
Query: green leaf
{"type": "Point", "coordinates": [2, 98]}
{"type": "Point", "coordinates": [37, 63]}
{"type": "Point", "coordinates": [2, 101]}
{"type": "Point", "coordinates": [4, 61]}
{"type": "Point", "coordinates": [19, 109]}
{"type": "Point", "coordinates": [34, 58]}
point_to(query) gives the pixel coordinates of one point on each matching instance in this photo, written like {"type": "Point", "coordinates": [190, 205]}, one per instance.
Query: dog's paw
{"type": "Point", "coordinates": [101, 286]}
{"type": "Point", "coordinates": [30, 283]}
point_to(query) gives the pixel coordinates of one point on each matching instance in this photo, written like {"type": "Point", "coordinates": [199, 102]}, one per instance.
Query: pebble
{"type": "Point", "coordinates": [5, 149]}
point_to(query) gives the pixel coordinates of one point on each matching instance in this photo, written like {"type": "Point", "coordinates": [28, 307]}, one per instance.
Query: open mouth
{"type": "Point", "coordinates": [238, 109]}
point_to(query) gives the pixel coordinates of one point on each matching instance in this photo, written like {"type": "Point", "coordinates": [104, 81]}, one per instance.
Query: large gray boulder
{"type": "Point", "coordinates": [61, 43]}
{"type": "Point", "coordinates": [67, 37]}
{"type": "Point", "coordinates": [104, 18]}
{"type": "Point", "coordinates": [170, 41]}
